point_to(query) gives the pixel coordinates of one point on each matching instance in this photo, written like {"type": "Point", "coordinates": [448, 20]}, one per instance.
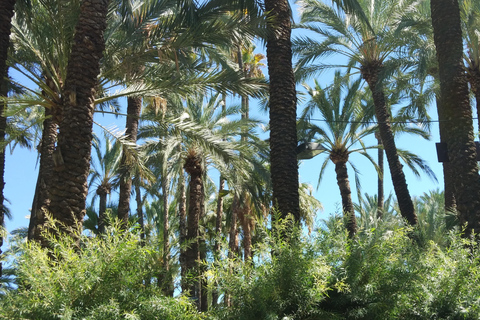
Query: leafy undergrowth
{"type": "Point", "coordinates": [381, 274]}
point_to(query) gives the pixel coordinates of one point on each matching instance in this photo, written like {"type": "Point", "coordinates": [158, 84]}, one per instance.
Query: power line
{"type": "Point", "coordinates": [376, 122]}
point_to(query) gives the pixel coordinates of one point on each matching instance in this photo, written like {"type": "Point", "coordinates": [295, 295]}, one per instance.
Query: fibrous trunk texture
{"type": "Point", "coordinates": [6, 14]}
{"type": "Point", "coordinates": [46, 170]}
{"type": "Point", "coordinates": [141, 219]}
{"type": "Point", "coordinates": [134, 108]}
{"type": "Point", "coordinates": [102, 218]}
{"type": "Point", "coordinates": [448, 182]}
{"type": "Point", "coordinates": [371, 75]}
{"type": "Point", "coordinates": [218, 233]}
{"type": "Point", "coordinates": [182, 217]}
{"type": "Point", "coordinates": [456, 110]}
{"type": "Point", "coordinates": [380, 190]}
{"type": "Point", "coordinates": [283, 109]}
{"type": "Point", "coordinates": [166, 240]}
{"type": "Point", "coordinates": [69, 184]}
{"type": "Point", "coordinates": [346, 194]}
{"type": "Point", "coordinates": [194, 167]}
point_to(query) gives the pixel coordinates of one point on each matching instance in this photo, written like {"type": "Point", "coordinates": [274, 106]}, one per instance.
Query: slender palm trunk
{"type": "Point", "coordinates": [69, 186]}
{"type": "Point", "coordinates": [166, 240]}
{"type": "Point", "coordinates": [6, 14]}
{"type": "Point", "coordinates": [194, 167]}
{"type": "Point", "coordinates": [380, 189]}
{"type": "Point", "coordinates": [455, 105]}
{"type": "Point", "coordinates": [134, 108]}
{"type": "Point", "coordinates": [218, 233]}
{"type": "Point", "coordinates": [283, 109]}
{"type": "Point", "coordinates": [182, 217]}
{"type": "Point", "coordinates": [346, 193]}
{"type": "Point", "coordinates": [371, 74]}
{"type": "Point", "coordinates": [141, 218]}
{"type": "Point", "coordinates": [102, 218]}
{"type": "Point", "coordinates": [202, 281]}
{"type": "Point", "coordinates": [232, 235]}
{"type": "Point", "coordinates": [245, 210]}
{"type": "Point", "coordinates": [247, 232]}
{"type": "Point", "coordinates": [232, 242]}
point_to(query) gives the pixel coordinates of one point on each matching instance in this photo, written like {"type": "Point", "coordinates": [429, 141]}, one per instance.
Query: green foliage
{"type": "Point", "coordinates": [84, 277]}
{"type": "Point", "coordinates": [388, 271]}
{"type": "Point", "coordinates": [381, 274]}
{"type": "Point", "coordinates": [288, 282]}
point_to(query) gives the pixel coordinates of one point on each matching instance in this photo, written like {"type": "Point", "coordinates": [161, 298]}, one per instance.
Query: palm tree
{"type": "Point", "coordinates": [283, 109]}
{"type": "Point", "coordinates": [6, 14]}
{"type": "Point", "coordinates": [342, 135]}
{"type": "Point", "coordinates": [417, 23]}
{"type": "Point", "coordinates": [370, 45]}
{"type": "Point", "coordinates": [455, 108]}
{"type": "Point", "coordinates": [103, 173]}
{"type": "Point", "coordinates": [69, 185]}
{"type": "Point", "coordinates": [470, 20]}
{"type": "Point", "coordinates": [401, 92]}
{"type": "Point", "coordinates": [204, 136]}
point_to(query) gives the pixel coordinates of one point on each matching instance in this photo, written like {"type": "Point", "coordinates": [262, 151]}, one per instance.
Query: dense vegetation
{"type": "Point", "coordinates": [247, 246]}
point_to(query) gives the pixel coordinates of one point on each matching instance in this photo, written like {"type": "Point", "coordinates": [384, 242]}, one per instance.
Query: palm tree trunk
{"type": "Point", "coordinates": [455, 105]}
{"type": "Point", "coordinates": [141, 218]}
{"type": "Point", "coordinates": [193, 166]}
{"type": "Point", "coordinates": [41, 198]}
{"type": "Point", "coordinates": [247, 236]}
{"type": "Point", "coordinates": [232, 241]}
{"type": "Point", "coordinates": [283, 109]}
{"type": "Point", "coordinates": [448, 182]}
{"type": "Point", "coordinates": [371, 74]}
{"type": "Point", "coordinates": [166, 240]}
{"type": "Point", "coordinates": [218, 233]}
{"type": "Point", "coordinates": [474, 80]}
{"type": "Point", "coordinates": [202, 281]}
{"type": "Point", "coordinates": [134, 108]}
{"type": "Point", "coordinates": [69, 186]}
{"type": "Point", "coordinates": [182, 217]}
{"type": "Point", "coordinates": [247, 233]}
{"type": "Point", "coordinates": [102, 218]}
{"type": "Point", "coordinates": [346, 193]}
{"type": "Point", "coordinates": [380, 190]}
{"type": "Point", "coordinates": [6, 14]}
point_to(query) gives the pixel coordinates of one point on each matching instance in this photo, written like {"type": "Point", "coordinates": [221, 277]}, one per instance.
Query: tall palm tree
{"type": "Point", "coordinates": [69, 185]}
{"type": "Point", "coordinates": [204, 136]}
{"type": "Point", "coordinates": [342, 135]}
{"type": "Point", "coordinates": [455, 106]}
{"type": "Point", "coordinates": [417, 23]}
{"type": "Point", "coordinates": [470, 18]}
{"type": "Point", "coordinates": [283, 108]}
{"type": "Point", "coordinates": [6, 14]}
{"type": "Point", "coordinates": [366, 37]}
{"type": "Point", "coordinates": [410, 118]}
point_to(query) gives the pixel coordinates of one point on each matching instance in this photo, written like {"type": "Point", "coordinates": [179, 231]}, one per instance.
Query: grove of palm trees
{"type": "Point", "coordinates": [168, 137]}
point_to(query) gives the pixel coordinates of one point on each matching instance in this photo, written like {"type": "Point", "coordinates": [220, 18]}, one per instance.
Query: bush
{"type": "Point", "coordinates": [380, 274]}
{"type": "Point", "coordinates": [90, 278]}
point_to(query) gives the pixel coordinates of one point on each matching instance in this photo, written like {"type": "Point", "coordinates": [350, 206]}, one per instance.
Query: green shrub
{"type": "Point", "coordinates": [90, 278]}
